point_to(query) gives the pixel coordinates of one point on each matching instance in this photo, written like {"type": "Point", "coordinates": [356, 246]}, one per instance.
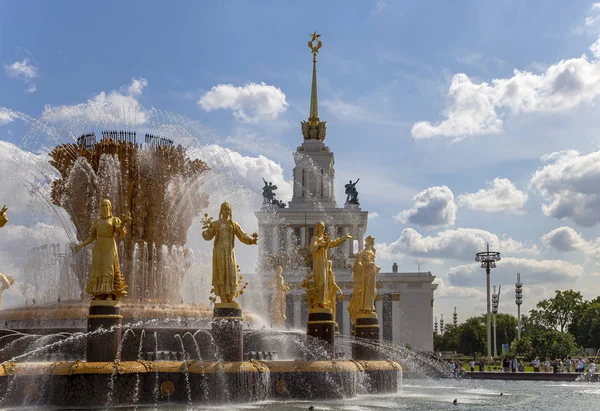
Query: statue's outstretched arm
{"type": "Point", "coordinates": [88, 241]}
{"type": "Point", "coordinates": [243, 237]}
{"type": "Point", "coordinates": [338, 241]}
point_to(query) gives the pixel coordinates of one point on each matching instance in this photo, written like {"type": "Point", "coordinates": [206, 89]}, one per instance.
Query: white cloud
{"type": "Point", "coordinates": [564, 239]}
{"type": "Point", "coordinates": [501, 195]}
{"type": "Point", "coordinates": [108, 108]}
{"type": "Point", "coordinates": [474, 108]}
{"type": "Point", "coordinates": [251, 103]}
{"type": "Point", "coordinates": [360, 112]}
{"type": "Point", "coordinates": [459, 244]}
{"type": "Point", "coordinates": [533, 271]}
{"type": "Point", "coordinates": [23, 70]}
{"type": "Point", "coordinates": [136, 86]}
{"type": "Point", "coordinates": [434, 207]}
{"type": "Point", "coordinates": [445, 290]}
{"type": "Point", "coordinates": [570, 185]}
{"type": "Point", "coordinates": [373, 215]}
{"type": "Point", "coordinates": [7, 116]}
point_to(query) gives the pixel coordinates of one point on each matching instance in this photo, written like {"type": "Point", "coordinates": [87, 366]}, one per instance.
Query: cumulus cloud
{"type": "Point", "coordinates": [501, 195]}
{"type": "Point", "coordinates": [136, 86]}
{"type": "Point", "coordinates": [537, 271]}
{"type": "Point", "coordinates": [564, 239]}
{"type": "Point", "coordinates": [373, 215]}
{"type": "Point", "coordinates": [23, 70]}
{"type": "Point", "coordinates": [113, 107]}
{"type": "Point", "coordinates": [434, 207]}
{"type": "Point", "coordinates": [6, 116]}
{"type": "Point", "coordinates": [459, 244]}
{"type": "Point", "coordinates": [570, 185]}
{"type": "Point", "coordinates": [478, 108]}
{"type": "Point", "coordinates": [446, 290]}
{"type": "Point", "coordinates": [250, 103]}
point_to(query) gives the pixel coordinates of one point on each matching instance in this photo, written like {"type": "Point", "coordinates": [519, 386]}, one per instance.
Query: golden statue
{"type": "Point", "coordinates": [365, 286]}
{"type": "Point", "coordinates": [278, 299]}
{"type": "Point", "coordinates": [5, 282]}
{"type": "Point", "coordinates": [105, 277]}
{"type": "Point", "coordinates": [225, 278]}
{"type": "Point", "coordinates": [370, 271]}
{"type": "Point", "coordinates": [319, 244]}
{"type": "Point", "coordinates": [332, 290]}
{"type": "Point", "coordinates": [3, 216]}
{"type": "Point", "coordinates": [356, 301]}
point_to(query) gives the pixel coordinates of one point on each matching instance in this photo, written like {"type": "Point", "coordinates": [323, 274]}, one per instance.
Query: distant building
{"type": "Point", "coordinates": [405, 301]}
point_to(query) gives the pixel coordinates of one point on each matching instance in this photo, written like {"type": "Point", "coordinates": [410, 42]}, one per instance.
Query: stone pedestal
{"type": "Point", "coordinates": [227, 331]}
{"type": "Point", "coordinates": [366, 330]}
{"type": "Point", "coordinates": [321, 327]}
{"type": "Point", "coordinates": [103, 346]}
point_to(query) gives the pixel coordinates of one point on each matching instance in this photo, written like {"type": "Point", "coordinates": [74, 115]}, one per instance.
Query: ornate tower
{"type": "Point", "coordinates": [314, 172]}
{"type": "Point", "coordinates": [286, 232]}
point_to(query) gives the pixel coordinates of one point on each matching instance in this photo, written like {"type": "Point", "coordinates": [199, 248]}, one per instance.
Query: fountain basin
{"type": "Point", "coordinates": [114, 383]}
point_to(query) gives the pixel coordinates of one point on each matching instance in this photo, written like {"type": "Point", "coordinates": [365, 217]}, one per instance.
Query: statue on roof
{"type": "Point", "coordinates": [352, 193]}
{"type": "Point", "coordinates": [269, 195]}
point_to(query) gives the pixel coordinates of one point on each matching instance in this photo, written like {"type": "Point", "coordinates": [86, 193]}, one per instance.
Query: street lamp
{"type": "Point", "coordinates": [441, 323]}
{"type": "Point", "coordinates": [488, 261]}
{"type": "Point", "coordinates": [455, 318]}
{"type": "Point", "coordinates": [435, 326]}
{"type": "Point", "coordinates": [495, 303]}
{"type": "Point", "coordinates": [518, 301]}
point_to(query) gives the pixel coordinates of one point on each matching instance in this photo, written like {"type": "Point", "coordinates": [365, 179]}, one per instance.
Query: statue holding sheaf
{"type": "Point", "coordinates": [280, 289]}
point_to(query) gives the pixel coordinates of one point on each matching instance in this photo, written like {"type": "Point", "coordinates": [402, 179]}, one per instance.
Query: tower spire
{"type": "Point", "coordinates": [314, 100]}
{"type": "Point", "coordinates": [314, 128]}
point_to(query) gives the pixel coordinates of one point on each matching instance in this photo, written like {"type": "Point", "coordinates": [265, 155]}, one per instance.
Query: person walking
{"type": "Point", "coordinates": [568, 363]}
{"type": "Point", "coordinates": [472, 365]}
{"type": "Point", "coordinates": [514, 364]}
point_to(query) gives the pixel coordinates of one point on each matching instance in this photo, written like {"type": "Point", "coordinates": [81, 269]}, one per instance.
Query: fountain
{"type": "Point", "coordinates": [141, 344]}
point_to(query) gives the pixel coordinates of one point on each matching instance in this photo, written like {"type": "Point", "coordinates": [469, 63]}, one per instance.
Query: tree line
{"type": "Point", "coordinates": [558, 326]}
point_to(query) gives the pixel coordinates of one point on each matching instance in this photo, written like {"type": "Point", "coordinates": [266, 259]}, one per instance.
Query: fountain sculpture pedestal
{"type": "Point", "coordinates": [227, 331]}
{"type": "Point", "coordinates": [366, 328]}
{"type": "Point", "coordinates": [321, 327]}
{"type": "Point", "coordinates": [103, 346]}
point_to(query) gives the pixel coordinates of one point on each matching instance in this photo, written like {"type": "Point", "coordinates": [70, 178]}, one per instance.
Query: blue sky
{"type": "Point", "coordinates": [384, 69]}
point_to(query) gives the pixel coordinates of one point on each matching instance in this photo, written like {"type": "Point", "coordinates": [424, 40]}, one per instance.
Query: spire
{"type": "Point", "coordinates": [314, 100]}
{"type": "Point", "coordinates": [314, 128]}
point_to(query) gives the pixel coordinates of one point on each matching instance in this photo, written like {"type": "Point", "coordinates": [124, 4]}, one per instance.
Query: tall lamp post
{"type": "Point", "coordinates": [518, 301]}
{"type": "Point", "coordinates": [495, 303]}
{"type": "Point", "coordinates": [455, 318]}
{"type": "Point", "coordinates": [488, 261]}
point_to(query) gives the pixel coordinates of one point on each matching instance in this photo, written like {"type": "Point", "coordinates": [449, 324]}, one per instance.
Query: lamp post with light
{"type": "Point", "coordinates": [488, 261]}
{"type": "Point", "coordinates": [518, 301]}
{"type": "Point", "coordinates": [495, 303]}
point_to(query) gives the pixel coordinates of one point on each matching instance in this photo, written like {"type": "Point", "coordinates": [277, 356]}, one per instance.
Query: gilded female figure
{"type": "Point", "coordinates": [356, 301]}
{"type": "Point", "coordinates": [370, 271]}
{"type": "Point", "coordinates": [224, 275]}
{"type": "Point", "coordinates": [278, 299]}
{"type": "Point", "coordinates": [319, 244]}
{"type": "Point", "coordinates": [105, 277]}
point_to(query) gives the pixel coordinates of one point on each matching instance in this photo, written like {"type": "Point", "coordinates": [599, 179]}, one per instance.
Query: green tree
{"type": "Point", "coordinates": [506, 330]}
{"type": "Point", "coordinates": [557, 313]}
{"type": "Point", "coordinates": [473, 336]}
{"type": "Point", "coordinates": [523, 348]}
{"type": "Point", "coordinates": [588, 326]}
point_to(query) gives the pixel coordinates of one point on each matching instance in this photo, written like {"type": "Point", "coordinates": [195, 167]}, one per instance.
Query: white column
{"type": "Point", "coordinates": [379, 310]}
{"type": "Point", "coordinates": [275, 238]}
{"type": "Point", "coordinates": [396, 313]}
{"type": "Point", "coordinates": [289, 235]}
{"type": "Point", "coordinates": [360, 239]}
{"type": "Point", "coordinates": [345, 317]}
{"type": "Point", "coordinates": [303, 236]}
{"type": "Point", "coordinates": [297, 312]}
{"type": "Point", "coordinates": [348, 247]}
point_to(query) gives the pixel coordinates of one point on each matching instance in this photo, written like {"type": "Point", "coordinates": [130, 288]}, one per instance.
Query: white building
{"type": "Point", "coordinates": [405, 300]}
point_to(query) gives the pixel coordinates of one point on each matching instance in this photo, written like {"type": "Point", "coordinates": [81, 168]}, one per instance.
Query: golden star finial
{"type": "Point", "coordinates": [315, 44]}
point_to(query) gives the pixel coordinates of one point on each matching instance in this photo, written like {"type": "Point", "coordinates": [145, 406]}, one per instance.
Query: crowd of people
{"type": "Point", "coordinates": [511, 364]}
